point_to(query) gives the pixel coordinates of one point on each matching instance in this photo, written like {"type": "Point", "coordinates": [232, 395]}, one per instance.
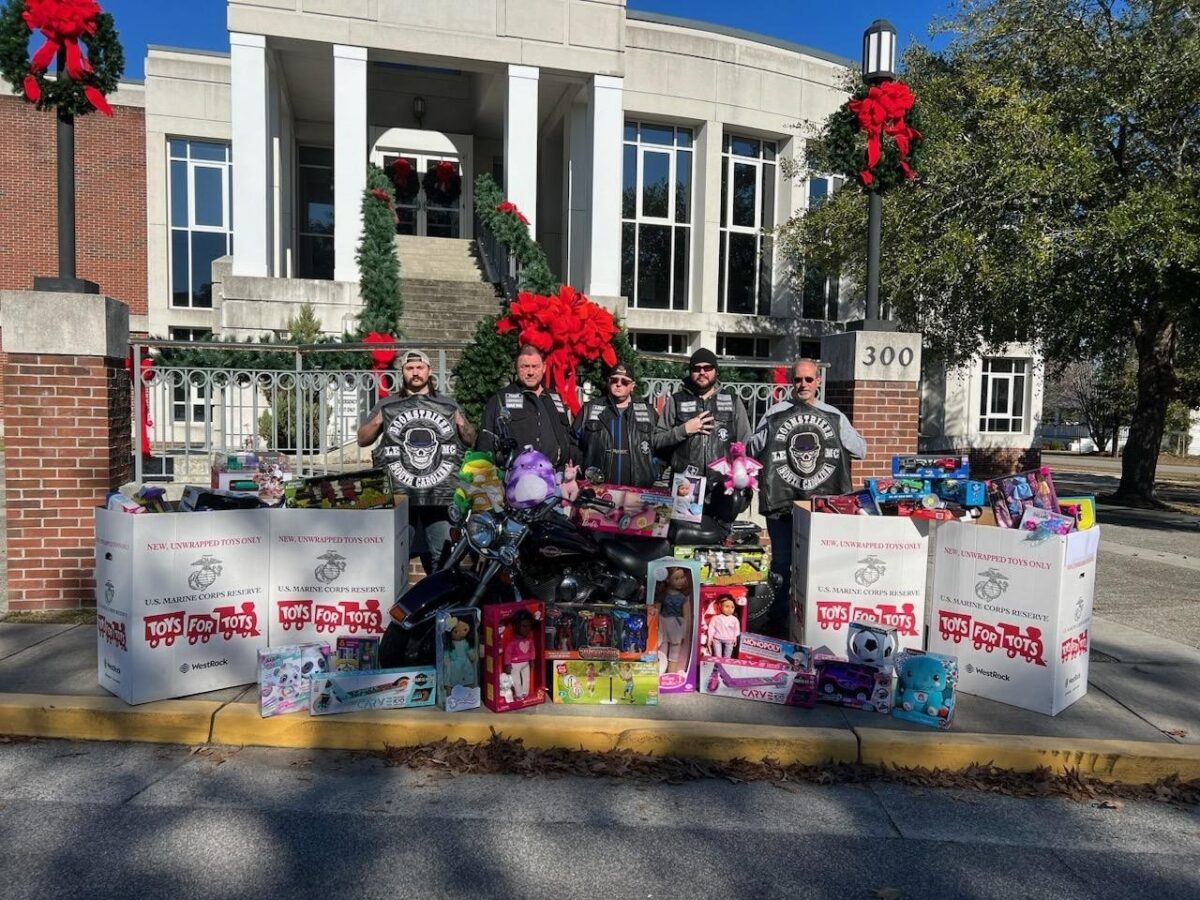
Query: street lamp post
{"type": "Point", "coordinates": [878, 65]}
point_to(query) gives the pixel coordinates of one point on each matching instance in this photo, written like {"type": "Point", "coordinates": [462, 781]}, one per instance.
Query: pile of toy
{"type": "Point", "coordinates": [940, 488]}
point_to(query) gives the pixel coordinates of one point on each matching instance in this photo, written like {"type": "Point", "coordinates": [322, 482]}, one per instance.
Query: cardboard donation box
{"type": "Point", "coordinates": [335, 572]}
{"type": "Point", "coordinates": [1015, 607]}
{"type": "Point", "coordinates": [858, 567]}
{"type": "Point", "coordinates": [181, 601]}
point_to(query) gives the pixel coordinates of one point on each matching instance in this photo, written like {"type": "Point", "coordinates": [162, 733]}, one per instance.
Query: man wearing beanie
{"type": "Point", "coordinates": [619, 435]}
{"type": "Point", "coordinates": [698, 423]}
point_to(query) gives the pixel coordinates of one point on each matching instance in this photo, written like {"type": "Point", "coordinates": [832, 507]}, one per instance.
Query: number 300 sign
{"type": "Point", "coordinates": [887, 356]}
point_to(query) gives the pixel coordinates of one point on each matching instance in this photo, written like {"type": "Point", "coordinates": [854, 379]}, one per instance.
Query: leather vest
{"type": "Point", "coordinates": [539, 421]}
{"type": "Point", "coordinates": [803, 458]}
{"type": "Point", "coordinates": [420, 448]}
{"type": "Point", "coordinates": [698, 450]}
{"type": "Point", "coordinates": [632, 462]}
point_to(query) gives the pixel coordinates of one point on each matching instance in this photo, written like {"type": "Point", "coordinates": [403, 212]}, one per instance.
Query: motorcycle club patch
{"type": "Point", "coordinates": [514, 401]}
{"type": "Point", "coordinates": [558, 404]}
{"type": "Point", "coordinates": [811, 452]}
{"type": "Point", "coordinates": [724, 403]}
{"type": "Point", "coordinates": [594, 413]}
{"type": "Point", "coordinates": [421, 449]}
{"type": "Point", "coordinates": [687, 406]}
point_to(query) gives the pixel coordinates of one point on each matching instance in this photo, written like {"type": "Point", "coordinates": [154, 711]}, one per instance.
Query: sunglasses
{"type": "Point", "coordinates": [703, 368]}
{"type": "Point", "coordinates": [804, 379]}
{"type": "Point", "coordinates": [623, 382]}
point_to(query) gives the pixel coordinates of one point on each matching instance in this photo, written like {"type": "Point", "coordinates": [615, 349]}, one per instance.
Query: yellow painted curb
{"type": "Point", "coordinates": [1132, 762]}
{"type": "Point", "coordinates": [240, 724]}
{"type": "Point", "coordinates": [106, 718]}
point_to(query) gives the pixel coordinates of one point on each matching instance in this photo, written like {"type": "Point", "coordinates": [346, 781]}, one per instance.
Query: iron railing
{"type": "Point", "coordinates": [502, 267]}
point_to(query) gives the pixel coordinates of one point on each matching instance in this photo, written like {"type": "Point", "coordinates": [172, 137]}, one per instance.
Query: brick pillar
{"type": "Point", "coordinates": [874, 378]}
{"type": "Point", "coordinates": [67, 438]}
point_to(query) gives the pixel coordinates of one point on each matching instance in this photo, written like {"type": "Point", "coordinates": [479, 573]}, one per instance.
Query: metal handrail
{"type": "Point", "coordinates": [502, 268]}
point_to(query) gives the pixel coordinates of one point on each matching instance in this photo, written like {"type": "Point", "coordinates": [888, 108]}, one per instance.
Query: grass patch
{"type": "Point", "coordinates": [52, 617]}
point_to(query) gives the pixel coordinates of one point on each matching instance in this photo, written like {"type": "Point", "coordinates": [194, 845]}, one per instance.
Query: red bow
{"type": "Point", "coordinates": [62, 23]}
{"type": "Point", "coordinates": [386, 199]}
{"type": "Point", "coordinates": [444, 171]}
{"type": "Point", "coordinates": [144, 398]}
{"type": "Point", "coordinates": [382, 358]}
{"type": "Point", "coordinates": [401, 170]}
{"type": "Point", "coordinates": [511, 209]}
{"type": "Point", "coordinates": [882, 112]}
{"type": "Point", "coordinates": [569, 329]}
{"type": "Point", "coordinates": [780, 377]}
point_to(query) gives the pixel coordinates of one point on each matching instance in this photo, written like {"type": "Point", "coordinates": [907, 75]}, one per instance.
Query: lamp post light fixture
{"type": "Point", "coordinates": [418, 109]}
{"type": "Point", "coordinates": [878, 65]}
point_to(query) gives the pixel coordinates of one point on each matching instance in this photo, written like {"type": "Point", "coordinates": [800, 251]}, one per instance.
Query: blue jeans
{"type": "Point", "coordinates": [431, 531]}
{"type": "Point", "coordinates": [779, 529]}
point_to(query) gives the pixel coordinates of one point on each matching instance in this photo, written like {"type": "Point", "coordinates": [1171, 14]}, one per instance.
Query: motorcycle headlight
{"type": "Point", "coordinates": [482, 530]}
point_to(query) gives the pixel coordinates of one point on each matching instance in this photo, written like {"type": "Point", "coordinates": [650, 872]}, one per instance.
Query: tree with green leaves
{"type": "Point", "coordinates": [1058, 199]}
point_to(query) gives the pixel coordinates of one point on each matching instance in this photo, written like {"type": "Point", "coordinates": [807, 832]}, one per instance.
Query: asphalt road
{"type": "Point", "coordinates": [122, 820]}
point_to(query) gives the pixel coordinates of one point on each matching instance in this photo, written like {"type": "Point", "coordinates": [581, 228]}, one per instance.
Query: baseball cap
{"type": "Point", "coordinates": [412, 356]}
{"type": "Point", "coordinates": [620, 369]}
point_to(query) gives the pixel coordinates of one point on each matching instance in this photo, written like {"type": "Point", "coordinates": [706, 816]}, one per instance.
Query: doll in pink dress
{"type": "Point", "coordinates": [723, 629]}
{"type": "Point", "coordinates": [520, 650]}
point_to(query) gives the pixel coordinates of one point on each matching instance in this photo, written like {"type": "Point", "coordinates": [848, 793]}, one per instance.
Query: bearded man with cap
{"type": "Point", "coordinates": [805, 447]}
{"type": "Point", "coordinates": [699, 422]}
{"type": "Point", "coordinates": [619, 435]}
{"type": "Point", "coordinates": [422, 437]}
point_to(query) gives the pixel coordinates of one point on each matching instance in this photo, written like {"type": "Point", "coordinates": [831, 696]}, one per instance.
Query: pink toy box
{"type": "Point", "coordinates": [719, 637]}
{"type": "Point", "coordinates": [636, 511]}
{"type": "Point", "coordinates": [1012, 494]}
{"type": "Point", "coordinates": [285, 676]}
{"type": "Point", "coordinates": [673, 587]}
{"type": "Point", "coordinates": [753, 679]}
{"type": "Point", "coordinates": [774, 650]}
{"type": "Point", "coordinates": [514, 656]}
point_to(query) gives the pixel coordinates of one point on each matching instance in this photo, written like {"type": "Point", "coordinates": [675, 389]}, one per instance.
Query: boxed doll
{"type": "Point", "coordinates": [456, 649]}
{"type": "Point", "coordinates": [673, 587]}
{"type": "Point", "coordinates": [926, 685]}
{"type": "Point", "coordinates": [723, 613]}
{"type": "Point", "coordinates": [1010, 495]}
{"type": "Point", "coordinates": [338, 692]}
{"type": "Point", "coordinates": [285, 676]}
{"type": "Point", "coordinates": [514, 659]}
{"type": "Point", "coordinates": [605, 683]}
{"type": "Point", "coordinates": [357, 654]}
{"type": "Point", "coordinates": [603, 631]}
{"type": "Point", "coordinates": [753, 679]}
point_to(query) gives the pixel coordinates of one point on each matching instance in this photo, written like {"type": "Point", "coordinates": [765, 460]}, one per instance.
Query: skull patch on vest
{"type": "Point", "coordinates": [421, 448]}
{"type": "Point", "coordinates": [804, 451]}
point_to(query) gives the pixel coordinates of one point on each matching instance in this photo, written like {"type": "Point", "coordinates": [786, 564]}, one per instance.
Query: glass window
{"type": "Point", "coordinates": [199, 198]}
{"type": "Point", "coordinates": [746, 269]}
{"type": "Point", "coordinates": [314, 184]}
{"type": "Point", "coordinates": [1002, 395]}
{"type": "Point", "coordinates": [656, 212]}
{"type": "Point", "coordinates": [747, 347]}
{"type": "Point", "coordinates": [819, 297]}
{"type": "Point", "coordinates": [658, 342]}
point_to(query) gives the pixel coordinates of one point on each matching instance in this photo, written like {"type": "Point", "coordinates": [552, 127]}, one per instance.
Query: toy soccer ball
{"type": "Point", "coordinates": [871, 645]}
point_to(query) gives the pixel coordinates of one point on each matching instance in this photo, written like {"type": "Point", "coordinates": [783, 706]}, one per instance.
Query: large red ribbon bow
{"type": "Point", "coordinates": [882, 112]}
{"type": "Point", "coordinates": [143, 397]}
{"type": "Point", "coordinates": [382, 358]}
{"type": "Point", "coordinates": [444, 171]}
{"type": "Point", "coordinates": [62, 23]}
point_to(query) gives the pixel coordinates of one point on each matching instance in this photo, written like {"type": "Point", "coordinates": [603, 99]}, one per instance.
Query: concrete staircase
{"type": "Point", "coordinates": [445, 291]}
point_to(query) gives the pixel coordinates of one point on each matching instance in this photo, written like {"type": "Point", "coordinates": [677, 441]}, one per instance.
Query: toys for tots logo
{"type": "Point", "coordinates": [200, 627]}
{"type": "Point", "coordinates": [833, 614]}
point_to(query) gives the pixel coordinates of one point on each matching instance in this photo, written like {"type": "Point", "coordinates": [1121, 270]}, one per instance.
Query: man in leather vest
{"type": "Point", "coordinates": [422, 437]}
{"type": "Point", "coordinates": [700, 421]}
{"type": "Point", "coordinates": [618, 434]}
{"type": "Point", "coordinates": [804, 446]}
{"type": "Point", "coordinates": [538, 417]}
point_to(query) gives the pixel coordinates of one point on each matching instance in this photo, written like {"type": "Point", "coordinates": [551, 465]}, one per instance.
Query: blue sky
{"type": "Point", "coordinates": [836, 27]}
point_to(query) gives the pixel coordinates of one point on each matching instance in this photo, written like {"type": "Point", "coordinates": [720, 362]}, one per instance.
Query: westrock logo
{"type": "Point", "coordinates": [872, 568]}
{"type": "Point", "coordinates": [991, 585]}
{"type": "Point", "coordinates": [331, 567]}
{"type": "Point", "coordinates": [206, 575]}
{"type": "Point", "coordinates": [195, 667]}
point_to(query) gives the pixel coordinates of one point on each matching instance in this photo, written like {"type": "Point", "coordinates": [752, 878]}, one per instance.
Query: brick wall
{"type": "Point", "coordinates": [110, 199]}
{"type": "Point", "coordinates": [886, 414]}
{"type": "Point", "coordinates": [67, 443]}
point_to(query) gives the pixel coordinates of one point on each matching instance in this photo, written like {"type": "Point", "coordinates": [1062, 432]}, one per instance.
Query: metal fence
{"type": "Point", "coordinates": [310, 414]}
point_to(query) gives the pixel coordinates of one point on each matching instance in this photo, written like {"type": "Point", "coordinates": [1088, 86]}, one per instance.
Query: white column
{"type": "Point", "coordinates": [579, 192]}
{"type": "Point", "coordinates": [251, 186]}
{"type": "Point", "coordinates": [521, 141]}
{"type": "Point", "coordinates": [607, 114]}
{"type": "Point", "coordinates": [349, 156]}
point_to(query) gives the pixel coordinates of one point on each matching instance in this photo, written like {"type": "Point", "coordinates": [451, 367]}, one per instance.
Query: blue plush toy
{"type": "Point", "coordinates": [925, 688]}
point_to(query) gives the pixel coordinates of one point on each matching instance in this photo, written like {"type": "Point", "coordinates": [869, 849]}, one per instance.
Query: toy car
{"type": "Point", "coordinates": [839, 681]}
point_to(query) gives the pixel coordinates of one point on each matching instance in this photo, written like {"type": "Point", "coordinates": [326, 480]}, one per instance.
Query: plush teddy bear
{"type": "Point", "coordinates": [921, 686]}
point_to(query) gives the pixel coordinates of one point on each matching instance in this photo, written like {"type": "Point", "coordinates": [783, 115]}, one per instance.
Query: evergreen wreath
{"type": "Point", "coordinates": [82, 87]}
{"type": "Point", "coordinates": [443, 184]}
{"type": "Point", "coordinates": [885, 116]}
{"type": "Point", "coordinates": [404, 180]}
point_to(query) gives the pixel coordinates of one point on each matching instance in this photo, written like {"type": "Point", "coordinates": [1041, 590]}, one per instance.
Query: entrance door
{"type": "Point", "coordinates": [435, 213]}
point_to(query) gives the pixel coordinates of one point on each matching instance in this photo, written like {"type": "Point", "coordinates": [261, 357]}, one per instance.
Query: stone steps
{"type": "Point", "coordinates": [438, 259]}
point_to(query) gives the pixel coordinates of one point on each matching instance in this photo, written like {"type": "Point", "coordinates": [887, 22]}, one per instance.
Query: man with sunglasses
{"type": "Point", "coordinates": [619, 435]}
{"type": "Point", "coordinates": [805, 447]}
{"type": "Point", "coordinates": [699, 422]}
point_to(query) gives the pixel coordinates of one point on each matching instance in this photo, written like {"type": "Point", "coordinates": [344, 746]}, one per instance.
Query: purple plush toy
{"type": "Point", "coordinates": [530, 481]}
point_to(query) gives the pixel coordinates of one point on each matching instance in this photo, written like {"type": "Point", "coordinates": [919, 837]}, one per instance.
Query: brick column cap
{"type": "Point", "coordinates": [872, 356]}
{"type": "Point", "coordinates": [43, 322]}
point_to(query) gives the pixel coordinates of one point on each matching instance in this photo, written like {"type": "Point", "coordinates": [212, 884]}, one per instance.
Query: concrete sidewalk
{"type": "Point", "coordinates": [1139, 721]}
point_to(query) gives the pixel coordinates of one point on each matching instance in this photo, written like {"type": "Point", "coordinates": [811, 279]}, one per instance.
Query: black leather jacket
{"type": "Point", "coordinates": [540, 421]}
{"type": "Point", "coordinates": [621, 444]}
{"type": "Point", "coordinates": [696, 451]}
{"type": "Point", "coordinates": [803, 457]}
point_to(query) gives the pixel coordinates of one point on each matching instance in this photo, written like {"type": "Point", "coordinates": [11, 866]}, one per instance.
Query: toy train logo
{"type": "Point", "coordinates": [1074, 647]}
{"type": "Point", "coordinates": [872, 569]}
{"type": "Point", "coordinates": [206, 575]}
{"type": "Point", "coordinates": [1027, 644]}
{"type": "Point", "coordinates": [199, 628]}
{"type": "Point", "coordinates": [991, 585]}
{"type": "Point", "coordinates": [112, 631]}
{"type": "Point", "coordinates": [328, 618]}
{"type": "Point", "coordinates": [332, 565]}
{"type": "Point", "coordinates": [834, 615]}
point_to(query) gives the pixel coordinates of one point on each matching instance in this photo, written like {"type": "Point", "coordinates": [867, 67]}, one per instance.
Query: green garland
{"type": "Point", "coordinates": [841, 148]}
{"type": "Point", "coordinates": [104, 52]}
